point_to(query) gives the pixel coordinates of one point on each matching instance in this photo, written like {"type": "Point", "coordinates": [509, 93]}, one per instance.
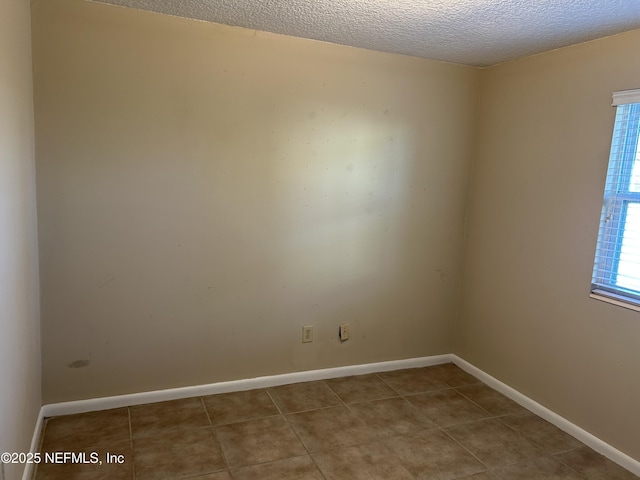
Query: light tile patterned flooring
{"type": "Point", "coordinates": [432, 423]}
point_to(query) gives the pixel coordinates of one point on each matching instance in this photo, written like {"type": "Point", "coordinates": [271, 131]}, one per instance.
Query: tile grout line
{"type": "Point", "coordinates": [296, 434]}
{"type": "Point", "coordinates": [493, 415]}
{"type": "Point", "coordinates": [492, 469]}
{"type": "Point", "coordinates": [415, 408]}
{"type": "Point", "coordinates": [133, 464]}
{"type": "Point", "coordinates": [498, 417]}
{"type": "Point", "coordinates": [360, 402]}
{"type": "Point", "coordinates": [488, 468]}
{"type": "Point", "coordinates": [310, 410]}
{"type": "Point", "coordinates": [273, 401]}
{"type": "Point", "coordinates": [541, 447]}
{"type": "Point", "coordinates": [441, 428]}
{"type": "Point", "coordinates": [246, 420]}
{"type": "Point", "coordinates": [374, 439]}
{"type": "Point", "coordinates": [569, 466]}
{"type": "Point", "coordinates": [206, 412]}
{"type": "Point", "coordinates": [215, 434]}
{"type": "Point", "coordinates": [540, 452]}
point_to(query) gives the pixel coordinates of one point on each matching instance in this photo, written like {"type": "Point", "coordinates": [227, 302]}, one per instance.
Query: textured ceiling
{"type": "Point", "coordinates": [471, 32]}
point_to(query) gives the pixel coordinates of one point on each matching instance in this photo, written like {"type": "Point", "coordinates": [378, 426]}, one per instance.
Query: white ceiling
{"type": "Point", "coordinates": [471, 32]}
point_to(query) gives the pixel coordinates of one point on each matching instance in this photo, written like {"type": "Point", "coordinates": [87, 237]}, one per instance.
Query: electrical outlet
{"type": "Point", "coordinates": [344, 332]}
{"type": "Point", "coordinates": [307, 334]}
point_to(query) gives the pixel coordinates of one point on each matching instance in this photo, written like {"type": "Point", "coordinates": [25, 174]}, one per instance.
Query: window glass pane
{"type": "Point", "coordinates": [629, 266]}
{"type": "Point", "coordinates": [635, 173]}
{"type": "Point", "coordinates": [616, 270]}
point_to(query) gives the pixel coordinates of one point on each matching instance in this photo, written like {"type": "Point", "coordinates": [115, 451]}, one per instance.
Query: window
{"type": "Point", "coordinates": [616, 271]}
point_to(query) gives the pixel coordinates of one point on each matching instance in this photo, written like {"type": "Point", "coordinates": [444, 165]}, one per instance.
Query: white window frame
{"type": "Point", "coordinates": [617, 198]}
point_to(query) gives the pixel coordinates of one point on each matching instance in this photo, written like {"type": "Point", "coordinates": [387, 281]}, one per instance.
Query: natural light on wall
{"type": "Point", "coordinates": [345, 199]}
{"type": "Point", "coordinates": [616, 271]}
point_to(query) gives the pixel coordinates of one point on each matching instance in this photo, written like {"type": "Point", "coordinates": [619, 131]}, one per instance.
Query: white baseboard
{"type": "Point", "coordinates": [562, 423]}
{"type": "Point", "coordinates": [104, 403]}
{"type": "Point", "coordinates": [35, 445]}
{"type": "Point", "coordinates": [94, 404]}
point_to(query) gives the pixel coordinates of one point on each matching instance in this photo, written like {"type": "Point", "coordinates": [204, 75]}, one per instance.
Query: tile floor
{"type": "Point", "coordinates": [432, 423]}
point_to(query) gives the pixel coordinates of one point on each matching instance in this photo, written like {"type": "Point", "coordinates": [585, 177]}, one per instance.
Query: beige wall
{"type": "Point", "coordinates": [19, 317]}
{"type": "Point", "coordinates": [544, 134]}
{"type": "Point", "coordinates": [205, 191]}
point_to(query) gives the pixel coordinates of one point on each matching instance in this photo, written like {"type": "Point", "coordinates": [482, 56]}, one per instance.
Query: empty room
{"type": "Point", "coordinates": [319, 240]}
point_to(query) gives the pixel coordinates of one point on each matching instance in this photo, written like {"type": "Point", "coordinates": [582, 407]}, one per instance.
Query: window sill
{"type": "Point", "coordinates": [613, 299]}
